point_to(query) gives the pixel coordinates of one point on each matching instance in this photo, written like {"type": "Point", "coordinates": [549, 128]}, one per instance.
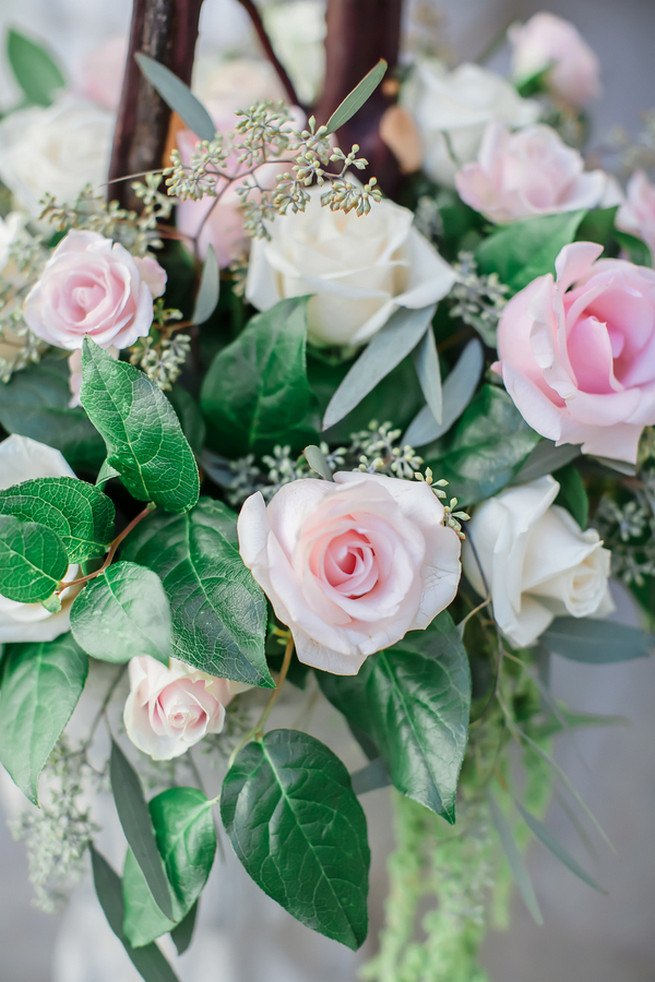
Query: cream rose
{"type": "Point", "coordinates": [22, 459]}
{"type": "Point", "coordinates": [537, 562]}
{"type": "Point", "coordinates": [548, 42]}
{"type": "Point", "coordinates": [55, 150]}
{"type": "Point", "coordinates": [452, 109]}
{"type": "Point", "coordinates": [350, 566]}
{"type": "Point", "coordinates": [93, 286]}
{"type": "Point", "coordinates": [169, 709]}
{"type": "Point", "coordinates": [359, 269]}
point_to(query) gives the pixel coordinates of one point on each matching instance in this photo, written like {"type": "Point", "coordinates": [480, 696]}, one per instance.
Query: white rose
{"type": "Point", "coordinates": [537, 562]}
{"type": "Point", "coordinates": [56, 150]}
{"type": "Point", "coordinates": [359, 269]}
{"type": "Point", "coordinates": [22, 459]}
{"type": "Point", "coordinates": [297, 31]}
{"type": "Point", "coordinates": [452, 109]}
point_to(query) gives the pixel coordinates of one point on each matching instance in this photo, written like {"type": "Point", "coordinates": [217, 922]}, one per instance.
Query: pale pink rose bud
{"type": "Point", "coordinates": [577, 353]}
{"type": "Point", "coordinates": [93, 286]}
{"type": "Point", "coordinates": [350, 566]}
{"type": "Point", "coordinates": [169, 709]}
{"type": "Point", "coordinates": [531, 172]}
{"type": "Point", "coordinates": [546, 40]}
{"type": "Point", "coordinates": [637, 213]}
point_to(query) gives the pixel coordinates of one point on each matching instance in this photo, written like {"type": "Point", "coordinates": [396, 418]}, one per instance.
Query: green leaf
{"type": "Point", "coordinates": [553, 845]}
{"type": "Point", "coordinates": [178, 97]}
{"type": "Point", "coordinates": [522, 251]}
{"type": "Point", "coordinates": [32, 560]}
{"type": "Point", "coordinates": [573, 495]}
{"type": "Point", "coordinates": [148, 961]}
{"type": "Point", "coordinates": [546, 458]}
{"type": "Point", "coordinates": [41, 685]}
{"type": "Point", "coordinates": [458, 390]}
{"type": "Point", "coordinates": [106, 473]}
{"type": "Point", "coordinates": [426, 362]}
{"type": "Point", "coordinates": [399, 336]}
{"type": "Point", "coordinates": [370, 777]}
{"type": "Point", "coordinates": [413, 702]}
{"type": "Point", "coordinates": [485, 449]}
{"type": "Point", "coordinates": [34, 69]}
{"type": "Point", "coordinates": [186, 839]}
{"type": "Point", "coordinates": [190, 417]}
{"type": "Point", "coordinates": [598, 225]}
{"type": "Point", "coordinates": [182, 933]}
{"type": "Point", "coordinates": [638, 251]}
{"type": "Point", "coordinates": [77, 512]}
{"type": "Point", "coordinates": [256, 393]}
{"type": "Point", "coordinates": [596, 642]}
{"type": "Point", "coordinates": [209, 289]}
{"type": "Point", "coordinates": [144, 439]}
{"type": "Point", "coordinates": [318, 462]}
{"type": "Point", "coordinates": [135, 819]}
{"type": "Point", "coordinates": [296, 825]}
{"type": "Point", "coordinates": [218, 611]}
{"type": "Point", "coordinates": [34, 403]}
{"type": "Point", "coordinates": [356, 99]}
{"type": "Point", "coordinates": [121, 613]}
{"type": "Point", "coordinates": [520, 874]}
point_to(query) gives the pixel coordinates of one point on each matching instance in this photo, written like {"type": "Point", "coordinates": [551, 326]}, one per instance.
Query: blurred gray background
{"type": "Point", "coordinates": [586, 936]}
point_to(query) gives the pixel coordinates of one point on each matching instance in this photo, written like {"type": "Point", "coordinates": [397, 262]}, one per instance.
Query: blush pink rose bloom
{"type": "Point", "coordinates": [531, 172]}
{"type": "Point", "coordinates": [169, 709]}
{"type": "Point", "coordinates": [91, 285]}
{"type": "Point", "coordinates": [637, 213]}
{"type": "Point", "coordinates": [546, 40]}
{"type": "Point", "coordinates": [577, 354]}
{"type": "Point", "coordinates": [350, 566]}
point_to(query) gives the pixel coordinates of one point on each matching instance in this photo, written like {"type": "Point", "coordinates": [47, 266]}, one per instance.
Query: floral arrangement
{"type": "Point", "coordinates": [293, 418]}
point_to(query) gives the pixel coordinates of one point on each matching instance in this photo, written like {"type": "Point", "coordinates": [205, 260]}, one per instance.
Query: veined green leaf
{"type": "Point", "coordinates": [356, 99]}
{"type": "Point", "coordinates": [178, 97]}
{"type": "Point", "coordinates": [32, 560]}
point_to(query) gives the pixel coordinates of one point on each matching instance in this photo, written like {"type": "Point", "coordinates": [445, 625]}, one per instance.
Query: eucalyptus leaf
{"type": "Point", "coordinates": [458, 390]}
{"type": "Point", "coordinates": [413, 702]}
{"type": "Point", "coordinates": [144, 439]}
{"type": "Point", "coordinates": [122, 613]}
{"type": "Point", "coordinates": [209, 289]}
{"type": "Point", "coordinates": [317, 461]}
{"type": "Point", "coordinates": [41, 684]}
{"type": "Point", "coordinates": [399, 336]}
{"type": "Point", "coordinates": [178, 97]}
{"type": "Point", "coordinates": [296, 825]}
{"type": "Point", "coordinates": [37, 73]}
{"type": "Point", "coordinates": [556, 848]}
{"type": "Point", "coordinates": [182, 933]}
{"type": "Point", "coordinates": [357, 98]}
{"type": "Point", "coordinates": [135, 819]}
{"type": "Point", "coordinates": [546, 458]}
{"type": "Point", "coordinates": [426, 361]}
{"type": "Point", "coordinates": [218, 611]}
{"type": "Point", "coordinates": [520, 874]}
{"type": "Point", "coordinates": [77, 512]}
{"type": "Point", "coordinates": [33, 560]}
{"type": "Point", "coordinates": [596, 642]}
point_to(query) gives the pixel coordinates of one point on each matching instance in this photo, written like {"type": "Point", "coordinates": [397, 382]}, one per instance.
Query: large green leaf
{"type": "Point", "coordinates": [186, 839]}
{"type": "Point", "coordinates": [144, 439]}
{"type": "Point", "coordinates": [296, 825]}
{"type": "Point", "coordinates": [41, 685]}
{"type": "Point", "coordinates": [485, 449]}
{"type": "Point", "coordinates": [34, 69]}
{"type": "Point", "coordinates": [80, 514]}
{"type": "Point", "coordinates": [123, 612]}
{"type": "Point", "coordinates": [256, 393]}
{"type": "Point", "coordinates": [413, 701]}
{"type": "Point", "coordinates": [218, 611]}
{"type": "Point", "coordinates": [32, 560]}
{"type": "Point", "coordinates": [35, 403]}
{"type": "Point", "coordinates": [148, 961]}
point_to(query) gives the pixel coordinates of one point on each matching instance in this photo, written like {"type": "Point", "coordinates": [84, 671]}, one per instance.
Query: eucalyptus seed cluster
{"type": "Point", "coordinates": [628, 529]}
{"type": "Point", "coordinates": [479, 299]}
{"type": "Point", "coordinates": [162, 355]}
{"type": "Point", "coordinates": [25, 261]}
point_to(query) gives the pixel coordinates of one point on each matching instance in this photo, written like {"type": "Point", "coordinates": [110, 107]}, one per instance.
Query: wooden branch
{"type": "Point", "coordinates": [165, 30]}
{"type": "Point", "coordinates": [251, 9]}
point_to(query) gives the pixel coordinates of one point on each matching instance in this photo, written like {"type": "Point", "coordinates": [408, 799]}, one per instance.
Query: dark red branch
{"type": "Point", "coordinates": [265, 41]}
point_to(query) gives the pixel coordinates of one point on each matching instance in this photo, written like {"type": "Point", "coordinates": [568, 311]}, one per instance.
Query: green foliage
{"type": "Point", "coordinates": [209, 289]}
{"type": "Point", "coordinates": [413, 702]}
{"type": "Point", "coordinates": [32, 560]}
{"type": "Point", "coordinates": [41, 685]}
{"type": "Point", "coordinates": [34, 69]}
{"type": "Point", "coordinates": [218, 611]}
{"type": "Point", "coordinates": [144, 439]}
{"type": "Point", "coordinates": [458, 390]}
{"type": "Point", "coordinates": [186, 839]}
{"type": "Point", "coordinates": [255, 393]}
{"type": "Point", "coordinates": [596, 642]}
{"type": "Point", "coordinates": [357, 98]}
{"type": "Point", "coordinates": [294, 822]}
{"type": "Point", "coordinates": [553, 845]}
{"type": "Point", "coordinates": [573, 494]}
{"type": "Point", "coordinates": [485, 448]}
{"type": "Point", "coordinates": [177, 96]}
{"type": "Point", "coordinates": [78, 513]}
{"type": "Point", "coordinates": [122, 613]}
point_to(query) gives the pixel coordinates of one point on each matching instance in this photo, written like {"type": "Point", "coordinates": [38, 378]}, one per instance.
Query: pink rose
{"type": "Point", "coordinates": [93, 286]}
{"type": "Point", "coordinates": [101, 73]}
{"type": "Point", "coordinates": [531, 172]}
{"type": "Point", "coordinates": [578, 354]}
{"type": "Point", "coordinates": [170, 709]}
{"type": "Point", "coordinates": [546, 40]}
{"type": "Point", "coordinates": [351, 565]}
{"type": "Point", "coordinates": [637, 214]}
